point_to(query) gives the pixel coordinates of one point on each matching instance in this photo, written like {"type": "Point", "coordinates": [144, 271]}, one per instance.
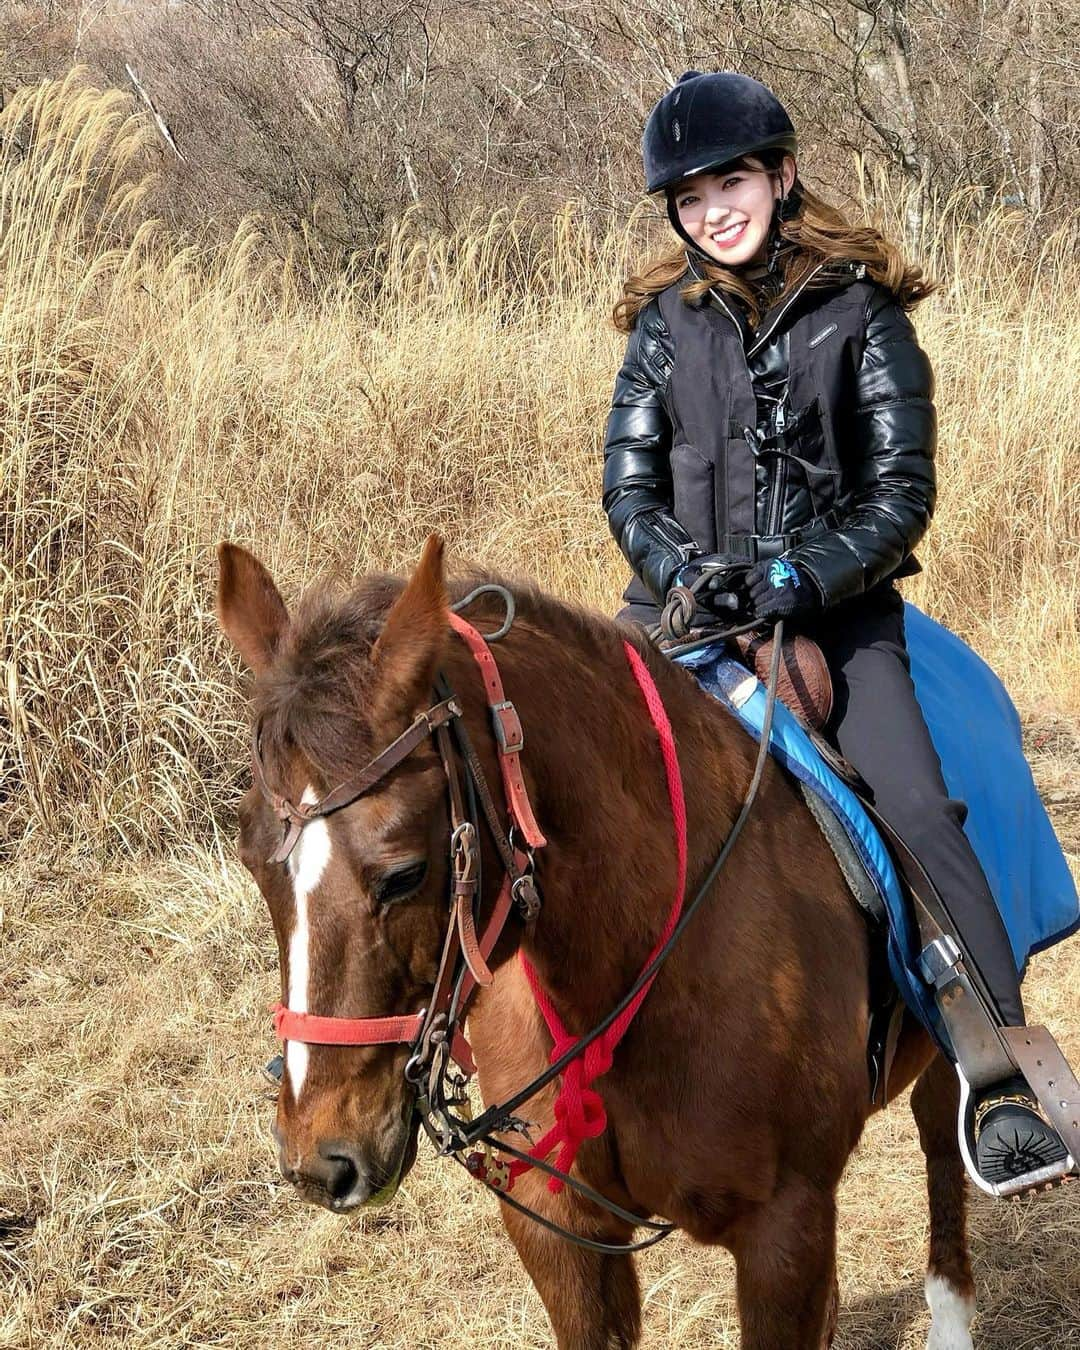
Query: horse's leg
{"type": "Point", "coordinates": [832, 1316]}
{"type": "Point", "coordinates": [950, 1290]}
{"type": "Point", "coordinates": [785, 1270]}
{"type": "Point", "coordinates": [593, 1301]}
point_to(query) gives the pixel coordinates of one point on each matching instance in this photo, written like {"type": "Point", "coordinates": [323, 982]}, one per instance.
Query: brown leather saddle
{"type": "Point", "coordinates": [804, 684]}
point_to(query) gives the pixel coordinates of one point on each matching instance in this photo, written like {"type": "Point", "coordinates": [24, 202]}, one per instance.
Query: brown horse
{"type": "Point", "coordinates": [740, 1090]}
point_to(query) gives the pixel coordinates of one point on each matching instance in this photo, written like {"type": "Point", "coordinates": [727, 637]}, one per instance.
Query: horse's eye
{"type": "Point", "coordinates": [402, 882]}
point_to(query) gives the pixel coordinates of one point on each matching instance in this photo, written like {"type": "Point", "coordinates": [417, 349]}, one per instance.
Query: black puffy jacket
{"type": "Point", "coordinates": [812, 436]}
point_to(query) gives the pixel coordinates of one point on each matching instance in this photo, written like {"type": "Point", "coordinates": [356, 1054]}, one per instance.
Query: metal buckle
{"type": "Point", "coordinates": [526, 896]}
{"type": "Point", "coordinates": [511, 740]}
{"type": "Point", "coordinates": [938, 960]}
{"type": "Point", "coordinates": [463, 840]}
{"type": "Point", "coordinates": [416, 1063]}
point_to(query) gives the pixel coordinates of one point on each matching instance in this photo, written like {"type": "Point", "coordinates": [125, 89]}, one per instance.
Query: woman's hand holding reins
{"type": "Point", "coordinates": [716, 583]}
{"type": "Point", "coordinates": [777, 590]}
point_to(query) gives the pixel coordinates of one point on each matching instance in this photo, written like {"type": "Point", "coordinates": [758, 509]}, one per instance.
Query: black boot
{"type": "Point", "coordinates": [1013, 1139]}
{"type": "Point", "coordinates": [273, 1070]}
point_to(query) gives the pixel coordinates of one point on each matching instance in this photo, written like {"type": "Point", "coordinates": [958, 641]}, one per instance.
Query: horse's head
{"type": "Point", "coordinates": [358, 907]}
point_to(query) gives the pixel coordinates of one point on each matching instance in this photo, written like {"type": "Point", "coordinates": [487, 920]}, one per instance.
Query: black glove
{"type": "Point", "coordinates": [712, 577]}
{"type": "Point", "coordinates": [776, 590]}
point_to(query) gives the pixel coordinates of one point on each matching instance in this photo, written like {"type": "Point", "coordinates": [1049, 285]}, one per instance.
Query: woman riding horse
{"type": "Point", "coordinates": [774, 411]}
{"type": "Point", "coordinates": [735, 1099]}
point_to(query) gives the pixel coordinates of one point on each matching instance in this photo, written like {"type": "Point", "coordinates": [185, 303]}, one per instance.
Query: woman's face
{"type": "Point", "coordinates": [727, 215]}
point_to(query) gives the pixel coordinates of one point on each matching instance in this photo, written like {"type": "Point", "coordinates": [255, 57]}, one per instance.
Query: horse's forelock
{"type": "Point", "coordinates": [312, 701]}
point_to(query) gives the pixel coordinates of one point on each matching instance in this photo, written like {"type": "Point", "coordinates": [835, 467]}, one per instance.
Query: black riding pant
{"type": "Point", "coordinates": [878, 726]}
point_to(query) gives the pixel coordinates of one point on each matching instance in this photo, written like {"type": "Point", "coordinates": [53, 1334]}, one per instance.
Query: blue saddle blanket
{"type": "Point", "coordinates": [976, 732]}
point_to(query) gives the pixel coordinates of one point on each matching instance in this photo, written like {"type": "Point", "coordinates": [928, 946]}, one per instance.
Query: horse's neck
{"type": "Point", "coordinates": [608, 874]}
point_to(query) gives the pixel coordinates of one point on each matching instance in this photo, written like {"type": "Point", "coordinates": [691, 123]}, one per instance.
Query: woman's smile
{"type": "Point", "coordinates": [728, 236]}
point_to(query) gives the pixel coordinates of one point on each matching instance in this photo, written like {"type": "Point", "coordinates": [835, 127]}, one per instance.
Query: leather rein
{"type": "Point", "coordinates": [434, 1033]}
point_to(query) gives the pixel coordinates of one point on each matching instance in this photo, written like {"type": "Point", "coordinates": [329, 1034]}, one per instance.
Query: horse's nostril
{"type": "Point", "coordinates": [340, 1168]}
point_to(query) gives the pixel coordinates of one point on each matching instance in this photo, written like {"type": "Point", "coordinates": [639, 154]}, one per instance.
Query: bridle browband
{"type": "Point", "coordinates": [434, 1033]}
{"type": "Point", "coordinates": [294, 817]}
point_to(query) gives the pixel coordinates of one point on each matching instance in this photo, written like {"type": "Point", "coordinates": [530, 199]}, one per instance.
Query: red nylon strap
{"type": "Point", "coordinates": [315, 1030]}
{"type": "Point", "coordinates": [508, 732]}
{"type": "Point", "coordinates": [579, 1108]}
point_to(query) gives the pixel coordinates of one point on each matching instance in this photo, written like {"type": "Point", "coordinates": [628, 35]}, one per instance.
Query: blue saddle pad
{"type": "Point", "coordinates": [976, 731]}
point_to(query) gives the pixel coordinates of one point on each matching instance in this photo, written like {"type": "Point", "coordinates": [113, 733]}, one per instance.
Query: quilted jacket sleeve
{"type": "Point", "coordinates": [637, 472]}
{"type": "Point", "coordinates": [890, 478]}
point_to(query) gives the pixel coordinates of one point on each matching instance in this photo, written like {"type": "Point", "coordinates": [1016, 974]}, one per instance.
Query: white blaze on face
{"type": "Point", "coordinates": [307, 865]}
{"type": "Point", "coordinates": [951, 1313]}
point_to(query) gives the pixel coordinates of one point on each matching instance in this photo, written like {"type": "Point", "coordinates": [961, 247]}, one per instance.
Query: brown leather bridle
{"type": "Point", "coordinates": [433, 1032]}
{"type": "Point", "coordinates": [294, 817]}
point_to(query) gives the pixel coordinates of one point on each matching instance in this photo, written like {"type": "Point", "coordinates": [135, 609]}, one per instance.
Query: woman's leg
{"type": "Point", "coordinates": [878, 727]}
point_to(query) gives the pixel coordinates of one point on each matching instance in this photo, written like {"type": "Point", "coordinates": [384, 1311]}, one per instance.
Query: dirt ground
{"type": "Point", "coordinates": [140, 1203]}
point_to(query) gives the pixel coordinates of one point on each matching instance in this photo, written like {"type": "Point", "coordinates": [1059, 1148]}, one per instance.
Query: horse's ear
{"type": "Point", "coordinates": [250, 609]}
{"type": "Point", "coordinates": [410, 646]}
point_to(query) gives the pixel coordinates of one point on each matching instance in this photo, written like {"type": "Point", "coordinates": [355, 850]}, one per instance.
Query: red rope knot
{"type": "Point", "coordinates": [579, 1109]}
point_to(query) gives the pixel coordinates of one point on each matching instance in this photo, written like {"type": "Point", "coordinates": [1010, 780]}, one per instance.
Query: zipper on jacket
{"type": "Point", "coordinates": [857, 273]}
{"type": "Point", "coordinates": [764, 336]}
{"type": "Point", "coordinates": [778, 485]}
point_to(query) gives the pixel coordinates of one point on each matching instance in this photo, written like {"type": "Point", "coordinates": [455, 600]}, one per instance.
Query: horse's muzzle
{"type": "Point", "coordinates": [343, 1175]}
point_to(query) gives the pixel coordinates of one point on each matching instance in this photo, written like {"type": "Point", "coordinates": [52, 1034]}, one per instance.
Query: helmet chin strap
{"type": "Point", "coordinates": [775, 240]}
{"type": "Point", "coordinates": [785, 208]}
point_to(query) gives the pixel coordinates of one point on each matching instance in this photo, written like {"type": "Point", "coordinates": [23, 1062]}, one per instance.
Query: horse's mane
{"type": "Point", "coordinates": [313, 696]}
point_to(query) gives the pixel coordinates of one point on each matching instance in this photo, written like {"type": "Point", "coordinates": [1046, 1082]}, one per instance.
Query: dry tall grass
{"type": "Point", "coordinates": [156, 397]}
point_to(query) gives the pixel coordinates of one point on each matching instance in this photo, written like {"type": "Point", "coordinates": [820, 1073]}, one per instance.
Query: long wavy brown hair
{"type": "Point", "coordinates": [813, 232]}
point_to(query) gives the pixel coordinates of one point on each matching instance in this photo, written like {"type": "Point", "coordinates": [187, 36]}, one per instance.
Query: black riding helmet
{"type": "Point", "coordinates": [707, 121]}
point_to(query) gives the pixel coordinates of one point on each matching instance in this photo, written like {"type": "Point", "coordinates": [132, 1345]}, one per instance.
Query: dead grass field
{"type": "Point", "coordinates": [155, 398]}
